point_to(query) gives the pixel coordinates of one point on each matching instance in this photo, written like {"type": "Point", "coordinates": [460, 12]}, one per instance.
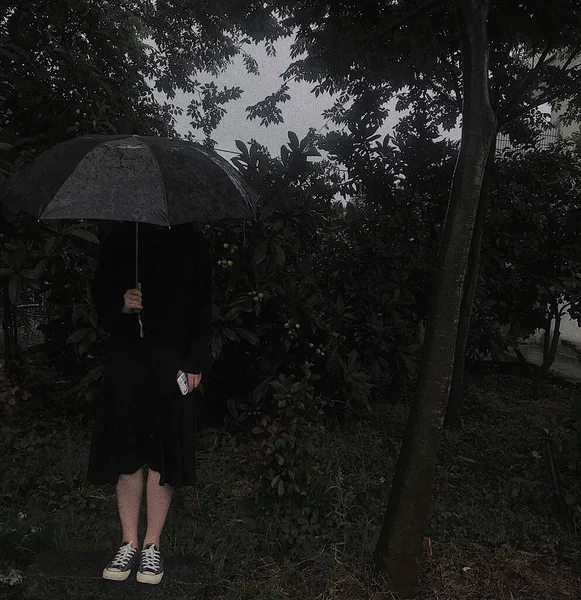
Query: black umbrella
{"type": "Point", "coordinates": [142, 179]}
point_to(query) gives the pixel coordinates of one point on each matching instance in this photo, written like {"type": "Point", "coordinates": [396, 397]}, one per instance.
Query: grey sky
{"type": "Point", "coordinates": [304, 110]}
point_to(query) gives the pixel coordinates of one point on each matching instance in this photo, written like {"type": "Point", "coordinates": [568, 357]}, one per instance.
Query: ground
{"type": "Point", "coordinates": [495, 530]}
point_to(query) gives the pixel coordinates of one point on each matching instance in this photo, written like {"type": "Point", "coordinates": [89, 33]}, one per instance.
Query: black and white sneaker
{"type": "Point", "coordinates": [150, 565]}
{"type": "Point", "coordinates": [122, 563]}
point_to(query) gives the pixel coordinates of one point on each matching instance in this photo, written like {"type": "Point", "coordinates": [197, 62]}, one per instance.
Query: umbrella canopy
{"type": "Point", "coordinates": [144, 179]}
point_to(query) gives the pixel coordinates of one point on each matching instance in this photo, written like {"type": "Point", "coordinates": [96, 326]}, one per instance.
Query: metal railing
{"type": "Point", "coordinates": [32, 313]}
{"type": "Point", "coordinates": [548, 137]}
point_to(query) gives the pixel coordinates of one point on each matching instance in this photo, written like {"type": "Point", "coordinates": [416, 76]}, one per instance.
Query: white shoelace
{"type": "Point", "coordinates": [150, 559]}
{"type": "Point", "coordinates": [123, 556]}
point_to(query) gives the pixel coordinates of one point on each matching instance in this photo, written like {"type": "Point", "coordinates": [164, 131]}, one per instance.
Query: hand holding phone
{"type": "Point", "coordinates": [183, 384]}
{"type": "Point", "coordinates": [188, 382]}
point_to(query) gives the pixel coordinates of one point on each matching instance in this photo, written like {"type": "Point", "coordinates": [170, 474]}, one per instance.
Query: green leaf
{"type": "Point", "coordinates": [277, 228]}
{"type": "Point", "coordinates": [78, 335]}
{"type": "Point", "coordinates": [242, 147]}
{"type": "Point", "coordinates": [91, 376]}
{"type": "Point", "coordinates": [86, 342]}
{"type": "Point", "coordinates": [294, 140]}
{"type": "Point", "coordinates": [278, 253]}
{"type": "Point", "coordinates": [84, 235]}
{"type": "Point", "coordinates": [7, 258]}
{"type": "Point", "coordinates": [231, 335]}
{"type": "Point", "coordinates": [39, 269]}
{"type": "Point", "coordinates": [352, 361]}
{"type": "Point", "coordinates": [249, 336]}
{"type": "Point", "coordinates": [260, 390]}
{"type": "Point", "coordinates": [296, 387]}
{"type": "Point", "coordinates": [94, 374]}
{"type": "Point", "coordinates": [51, 245]}
{"type": "Point", "coordinates": [217, 345]}
{"type": "Point", "coordinates": [240, 164]}
{"type": "Point", "coordinates": [284, 154]}
{"type": "Point", "coordinates": [259, 253]}
{"type": "Point", "coordinates": [233, 313]}
{"type": "Point", "coordinates": [15, 289]}
{"type": "Point", "coordinates": [93, 318]}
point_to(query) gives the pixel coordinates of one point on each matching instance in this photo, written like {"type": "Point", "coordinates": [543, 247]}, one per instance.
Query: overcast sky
{"type": "Point", "coordinates": [304, 110]}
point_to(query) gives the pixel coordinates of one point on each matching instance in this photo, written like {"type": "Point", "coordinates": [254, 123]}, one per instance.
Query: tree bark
{"type": "Point", "coordinates": [400, 542]}
{"type": "Point", "coordinates": [9, 328]}
{"type": "Point", "coordinates": [526, 367]}
{"type": "Point", "coordinates": [550, 344]}
{"type": "Point", "coordinates": [454, 410]}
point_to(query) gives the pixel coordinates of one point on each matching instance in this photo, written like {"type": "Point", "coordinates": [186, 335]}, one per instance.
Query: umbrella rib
{"type": "Point", "coordinates": [162, 184]}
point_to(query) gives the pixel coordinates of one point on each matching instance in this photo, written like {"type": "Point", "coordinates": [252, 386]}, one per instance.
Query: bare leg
{"type": "Point", "coordinates": [158, 501]}
{"type": "Point", "coordinates": [129, 493]}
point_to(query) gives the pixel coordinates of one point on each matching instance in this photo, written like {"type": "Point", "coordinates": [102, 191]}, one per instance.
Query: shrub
{"type": "Point", "coordinates": [11, 395]}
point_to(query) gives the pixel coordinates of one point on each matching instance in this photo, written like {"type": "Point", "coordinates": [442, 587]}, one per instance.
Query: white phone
{"type": "Point", "coordinates": [183, 384]}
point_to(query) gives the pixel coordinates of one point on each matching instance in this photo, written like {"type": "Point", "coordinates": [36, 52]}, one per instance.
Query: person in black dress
{"type": "Point", "coordinates": [158, 328]}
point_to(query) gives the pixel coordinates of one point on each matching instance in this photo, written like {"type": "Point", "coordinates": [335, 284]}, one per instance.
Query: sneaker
{"type": "Point", "coordinates": [120, 567]}
{"type": "Point", "coordinates": [150, 566]}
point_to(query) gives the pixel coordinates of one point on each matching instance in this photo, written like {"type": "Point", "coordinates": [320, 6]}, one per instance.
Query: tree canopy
{"type": "Point", "coordinates": [410, 50]}
{"type": "Point", "coordinates": [68, 68]}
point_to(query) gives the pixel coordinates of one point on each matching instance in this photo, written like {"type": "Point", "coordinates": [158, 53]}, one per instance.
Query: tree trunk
{"type": "Point", "coordinates": [550, 345]}
{"type": "Point", "coordinates": [454, 411]}
{"type": "Point", "coordinates": [526, 367]}
{"type": "Point", "coordinates": [9, 329]}
{"type": "Point", "coordinates": [400, 542]}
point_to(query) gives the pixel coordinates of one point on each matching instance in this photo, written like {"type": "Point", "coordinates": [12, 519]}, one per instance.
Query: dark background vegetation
{"type": "Point", "coordinates": [319, 310]}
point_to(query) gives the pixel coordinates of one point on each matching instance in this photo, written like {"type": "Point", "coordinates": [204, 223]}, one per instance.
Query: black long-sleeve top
{"type": "Point", "coordinates": [175, 273]}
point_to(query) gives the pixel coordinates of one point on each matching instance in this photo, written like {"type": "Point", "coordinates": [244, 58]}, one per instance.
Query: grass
{"type": "Point", "coordinates": [494, 531]}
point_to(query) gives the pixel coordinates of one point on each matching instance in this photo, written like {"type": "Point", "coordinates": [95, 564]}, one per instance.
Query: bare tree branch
{"type": "Point", "coordinates": [457, 89]}
{"type": "Point", "coordinates": [547, 96]}
{"type": "Point", "coordinates": [572, 57]}
{"type": "Point", "coordinates": [542, 99]}
{"type": "Point", "coordinates": [454, 70]}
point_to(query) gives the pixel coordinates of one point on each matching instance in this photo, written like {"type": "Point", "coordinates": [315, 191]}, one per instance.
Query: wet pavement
{"type": "Point", "coordinates": [566, 366]}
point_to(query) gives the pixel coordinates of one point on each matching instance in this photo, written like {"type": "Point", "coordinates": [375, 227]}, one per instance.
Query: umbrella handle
{"type": "Point", "coordinates": [136, 253]}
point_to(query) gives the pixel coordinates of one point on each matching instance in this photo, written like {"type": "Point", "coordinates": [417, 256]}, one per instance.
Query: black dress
{"type": "Point", "coordinates": [141, 416]}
